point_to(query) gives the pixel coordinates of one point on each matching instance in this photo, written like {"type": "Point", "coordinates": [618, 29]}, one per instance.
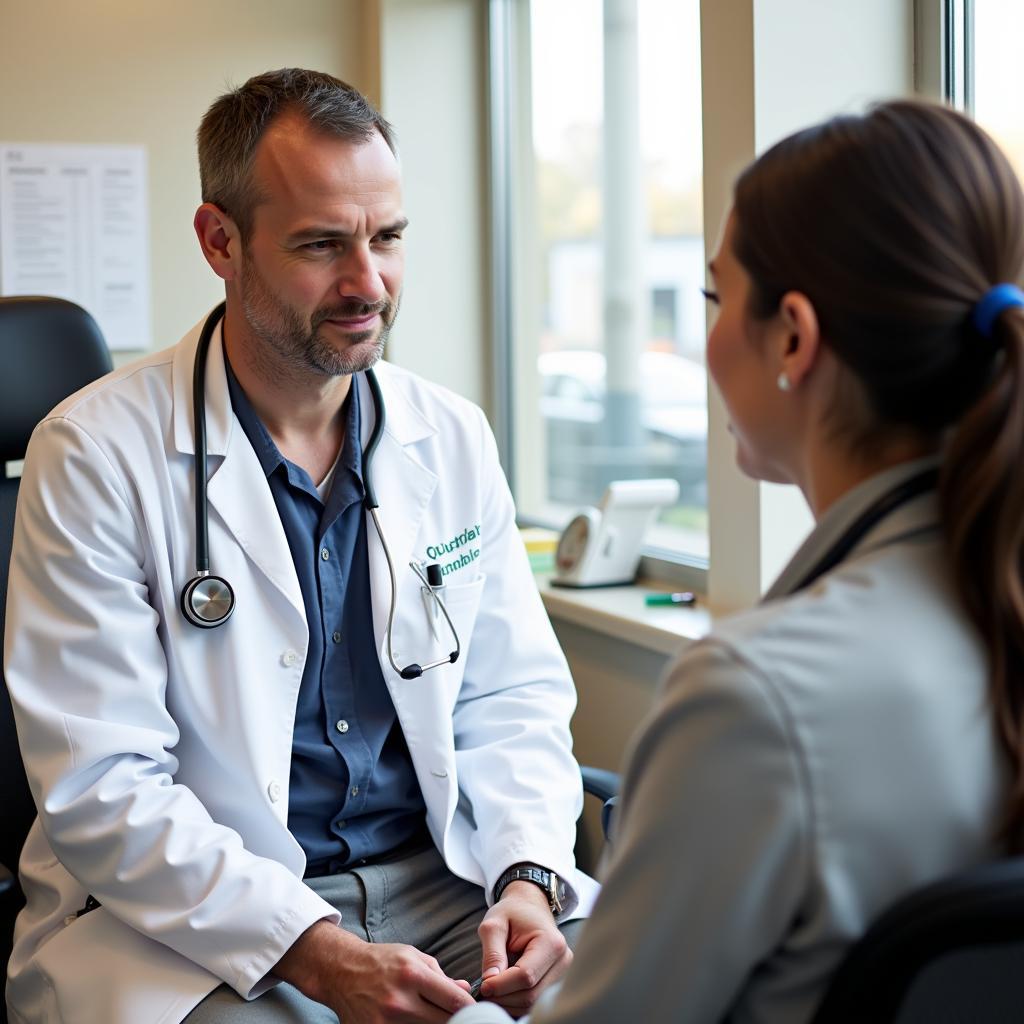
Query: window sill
{"type": "Point", "coordinates": [620, 613]}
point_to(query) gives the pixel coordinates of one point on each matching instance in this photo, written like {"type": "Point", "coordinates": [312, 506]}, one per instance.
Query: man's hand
{"type": "Point", "coordinates": [521, 928]}
{"type": "Point", "coordinates": [370, 983]}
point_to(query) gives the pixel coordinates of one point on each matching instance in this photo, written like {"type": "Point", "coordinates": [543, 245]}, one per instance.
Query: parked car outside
{"type": "Point", "coordinates": [583, 458]}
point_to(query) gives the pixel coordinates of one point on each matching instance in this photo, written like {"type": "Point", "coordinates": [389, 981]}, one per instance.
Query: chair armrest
{"type": "Point", "coordinates": [604, 785]}
{"type": "Point", "coordinates": [600, 782]}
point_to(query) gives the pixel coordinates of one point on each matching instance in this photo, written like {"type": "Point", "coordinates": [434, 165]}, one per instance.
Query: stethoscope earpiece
{"type": "Point", "coordinates": [414, 671]}
{"type": "Point", "coordinates": [207, 601]}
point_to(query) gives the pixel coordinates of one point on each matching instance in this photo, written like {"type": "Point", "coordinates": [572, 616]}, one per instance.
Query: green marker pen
{"type": "Point", "coordinates": [685, 598]}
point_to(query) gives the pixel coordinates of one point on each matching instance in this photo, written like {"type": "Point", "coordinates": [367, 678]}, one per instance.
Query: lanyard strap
{"type": "Point", "coordinates": [906, 491]}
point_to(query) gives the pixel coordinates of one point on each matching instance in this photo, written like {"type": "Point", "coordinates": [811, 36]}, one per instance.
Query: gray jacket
{"type": "Point", "coordinates": [806, 764]}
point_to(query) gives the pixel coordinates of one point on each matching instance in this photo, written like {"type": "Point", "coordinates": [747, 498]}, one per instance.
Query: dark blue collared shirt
{"type": "Point", "coordinates": [353, 791]}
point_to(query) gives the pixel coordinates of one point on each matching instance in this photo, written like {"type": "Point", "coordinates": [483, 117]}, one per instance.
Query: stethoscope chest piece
{"type": "Point", "coordinates": [207, 601]}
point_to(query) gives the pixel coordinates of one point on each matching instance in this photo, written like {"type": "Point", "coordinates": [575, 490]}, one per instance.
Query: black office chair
{"type": "Point", "coordinates": [949, 953]}
{"type": "Point", "coordinates": [49, 349]}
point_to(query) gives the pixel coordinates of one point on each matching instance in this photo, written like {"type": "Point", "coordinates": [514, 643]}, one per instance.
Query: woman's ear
{"type": "Point", "coordinates": [800, 338]}
{"type": "Point", "coordinates": [220, 240]}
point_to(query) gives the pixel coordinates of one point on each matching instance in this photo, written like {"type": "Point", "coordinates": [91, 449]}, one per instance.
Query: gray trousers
{"type": "Point", "coordinates": [414, 900]}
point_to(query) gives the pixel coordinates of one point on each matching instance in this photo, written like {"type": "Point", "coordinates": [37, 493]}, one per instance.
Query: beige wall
{"type": "Point", "coordinates": [144, 72]}
{"type": "Point", "coordinates": [114, 71]}
{"type": "Point", "coordinates": [433, 85]}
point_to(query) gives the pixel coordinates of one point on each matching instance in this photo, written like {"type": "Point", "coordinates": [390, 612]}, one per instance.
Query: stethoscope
{"type": "Point", "coordinates": [920, 483]}
{"type": "Point", "coordinates": [208, 600]}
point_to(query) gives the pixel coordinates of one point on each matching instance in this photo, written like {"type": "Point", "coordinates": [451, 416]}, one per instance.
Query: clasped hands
{"type": "Point", "coordinates": [384, 983]}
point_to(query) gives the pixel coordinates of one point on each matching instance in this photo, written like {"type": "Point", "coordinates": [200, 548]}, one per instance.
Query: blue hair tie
{"type": "Point", "coordinates": [991, 305]}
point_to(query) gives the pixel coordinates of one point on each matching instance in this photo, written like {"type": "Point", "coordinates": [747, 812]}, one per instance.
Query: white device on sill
{"type": "Point", "coordinates": [601, 546]}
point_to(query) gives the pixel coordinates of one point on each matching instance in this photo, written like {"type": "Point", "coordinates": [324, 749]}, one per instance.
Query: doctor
{"type": "Point", "coordinates": [228, 770]}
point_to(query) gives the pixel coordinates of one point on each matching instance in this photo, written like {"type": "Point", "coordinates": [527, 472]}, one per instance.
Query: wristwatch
{"type": "Point", "coordinates": [553, 886]}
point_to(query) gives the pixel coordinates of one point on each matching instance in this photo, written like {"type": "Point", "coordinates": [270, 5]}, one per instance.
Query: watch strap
{"type": "Point", "coordinates": [547, 880]}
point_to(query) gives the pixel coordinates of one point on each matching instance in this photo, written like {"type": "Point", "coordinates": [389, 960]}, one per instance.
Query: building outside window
{"type": "Point", "coordinates": [614, 260]}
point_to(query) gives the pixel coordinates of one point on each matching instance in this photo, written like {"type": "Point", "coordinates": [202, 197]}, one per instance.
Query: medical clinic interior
{"type": "Point", "coordinates": [571, 447]}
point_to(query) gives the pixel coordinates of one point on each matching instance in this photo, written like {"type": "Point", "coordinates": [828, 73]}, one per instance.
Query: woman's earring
{"type": "Point", "coordinates": [783, 381]}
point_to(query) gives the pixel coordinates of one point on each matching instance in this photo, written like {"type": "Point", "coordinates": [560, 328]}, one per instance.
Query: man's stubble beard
{"type": "Point", "coordinates": [296, 347]}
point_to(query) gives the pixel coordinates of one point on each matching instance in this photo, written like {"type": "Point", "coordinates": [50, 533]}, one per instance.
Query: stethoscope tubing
{"type": "Point", "coordinates": [199, 434]}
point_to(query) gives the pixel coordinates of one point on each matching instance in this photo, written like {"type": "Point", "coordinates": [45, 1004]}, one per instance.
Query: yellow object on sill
{"type": "Point", "coordinates": [540, 546]}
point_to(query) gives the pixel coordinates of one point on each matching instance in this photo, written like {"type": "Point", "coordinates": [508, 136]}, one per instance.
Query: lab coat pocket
{"type": "Point", "coordinates": [462, 602]}
{"type": "Point", "coordinates": [100, 969]}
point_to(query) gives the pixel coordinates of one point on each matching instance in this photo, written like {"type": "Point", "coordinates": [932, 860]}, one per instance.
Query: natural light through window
{"type": "Point", "coordinates": [999, 73]}
{"type": "Point", "coordinates": [620, 324]}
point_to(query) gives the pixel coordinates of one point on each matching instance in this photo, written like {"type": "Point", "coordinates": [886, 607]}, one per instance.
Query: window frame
{"type": "Point", "coordinates": [944, 51]}
{"type": "Point", "coordinates": [501, 83]}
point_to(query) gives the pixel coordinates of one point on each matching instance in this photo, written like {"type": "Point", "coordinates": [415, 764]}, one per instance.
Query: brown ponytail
{"type": "Point", "coordinates": [982, 498]}
{"type": "Point", "coordinates": [894, 225]}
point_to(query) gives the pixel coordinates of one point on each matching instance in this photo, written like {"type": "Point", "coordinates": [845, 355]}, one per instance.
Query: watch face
{"type": "Point", "coordinates": [573, 543]}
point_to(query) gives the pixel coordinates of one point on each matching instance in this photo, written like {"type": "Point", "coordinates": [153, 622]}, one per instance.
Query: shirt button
{"type": "Point", "coordinates": [354, 791]}
{"type": "Point", "coordinates": [289, 658]}
{"type": "Point", "coordinates": [325, 554]}
{"type": "Point", "coordinates": [343, 823]}
{"type": "Point", "coordinates": [341, 725]}
{"type": "Point", "coordinates": [336, 637]}
{"type": "Point", "coordinates": [274, 791]}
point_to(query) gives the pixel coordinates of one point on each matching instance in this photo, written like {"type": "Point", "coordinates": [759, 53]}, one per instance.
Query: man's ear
{"type": "Point", "coordinates": [220, 240]}
{"type": "Point", "coordinates": [800, 339]}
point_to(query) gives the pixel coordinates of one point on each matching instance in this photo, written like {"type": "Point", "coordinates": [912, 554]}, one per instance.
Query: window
{"type": "Point", "coordinates": [607, 258]}
{"type": "Point", "coordinates": [998, 73]}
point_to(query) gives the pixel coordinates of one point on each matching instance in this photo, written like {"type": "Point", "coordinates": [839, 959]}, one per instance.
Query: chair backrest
{"type": "Point", "coordinates": [49, 349]}
{"type": "Point", "coordinates": [952, 951]}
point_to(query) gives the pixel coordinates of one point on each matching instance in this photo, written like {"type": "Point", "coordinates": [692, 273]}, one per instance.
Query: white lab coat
{"type": "Point", "coordinates": [159, 753]}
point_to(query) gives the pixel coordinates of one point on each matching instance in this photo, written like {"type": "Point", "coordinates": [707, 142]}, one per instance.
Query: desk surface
{"type": "Point", "coordinates": [620, 612]}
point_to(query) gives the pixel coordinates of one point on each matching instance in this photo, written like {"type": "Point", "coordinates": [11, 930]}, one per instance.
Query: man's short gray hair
{"type": "Point", "coordinates": [233, 126]}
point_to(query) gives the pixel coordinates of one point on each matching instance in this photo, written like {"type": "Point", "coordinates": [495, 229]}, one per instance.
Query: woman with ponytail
{"type": "Point", "coordinates": [861, 732]}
